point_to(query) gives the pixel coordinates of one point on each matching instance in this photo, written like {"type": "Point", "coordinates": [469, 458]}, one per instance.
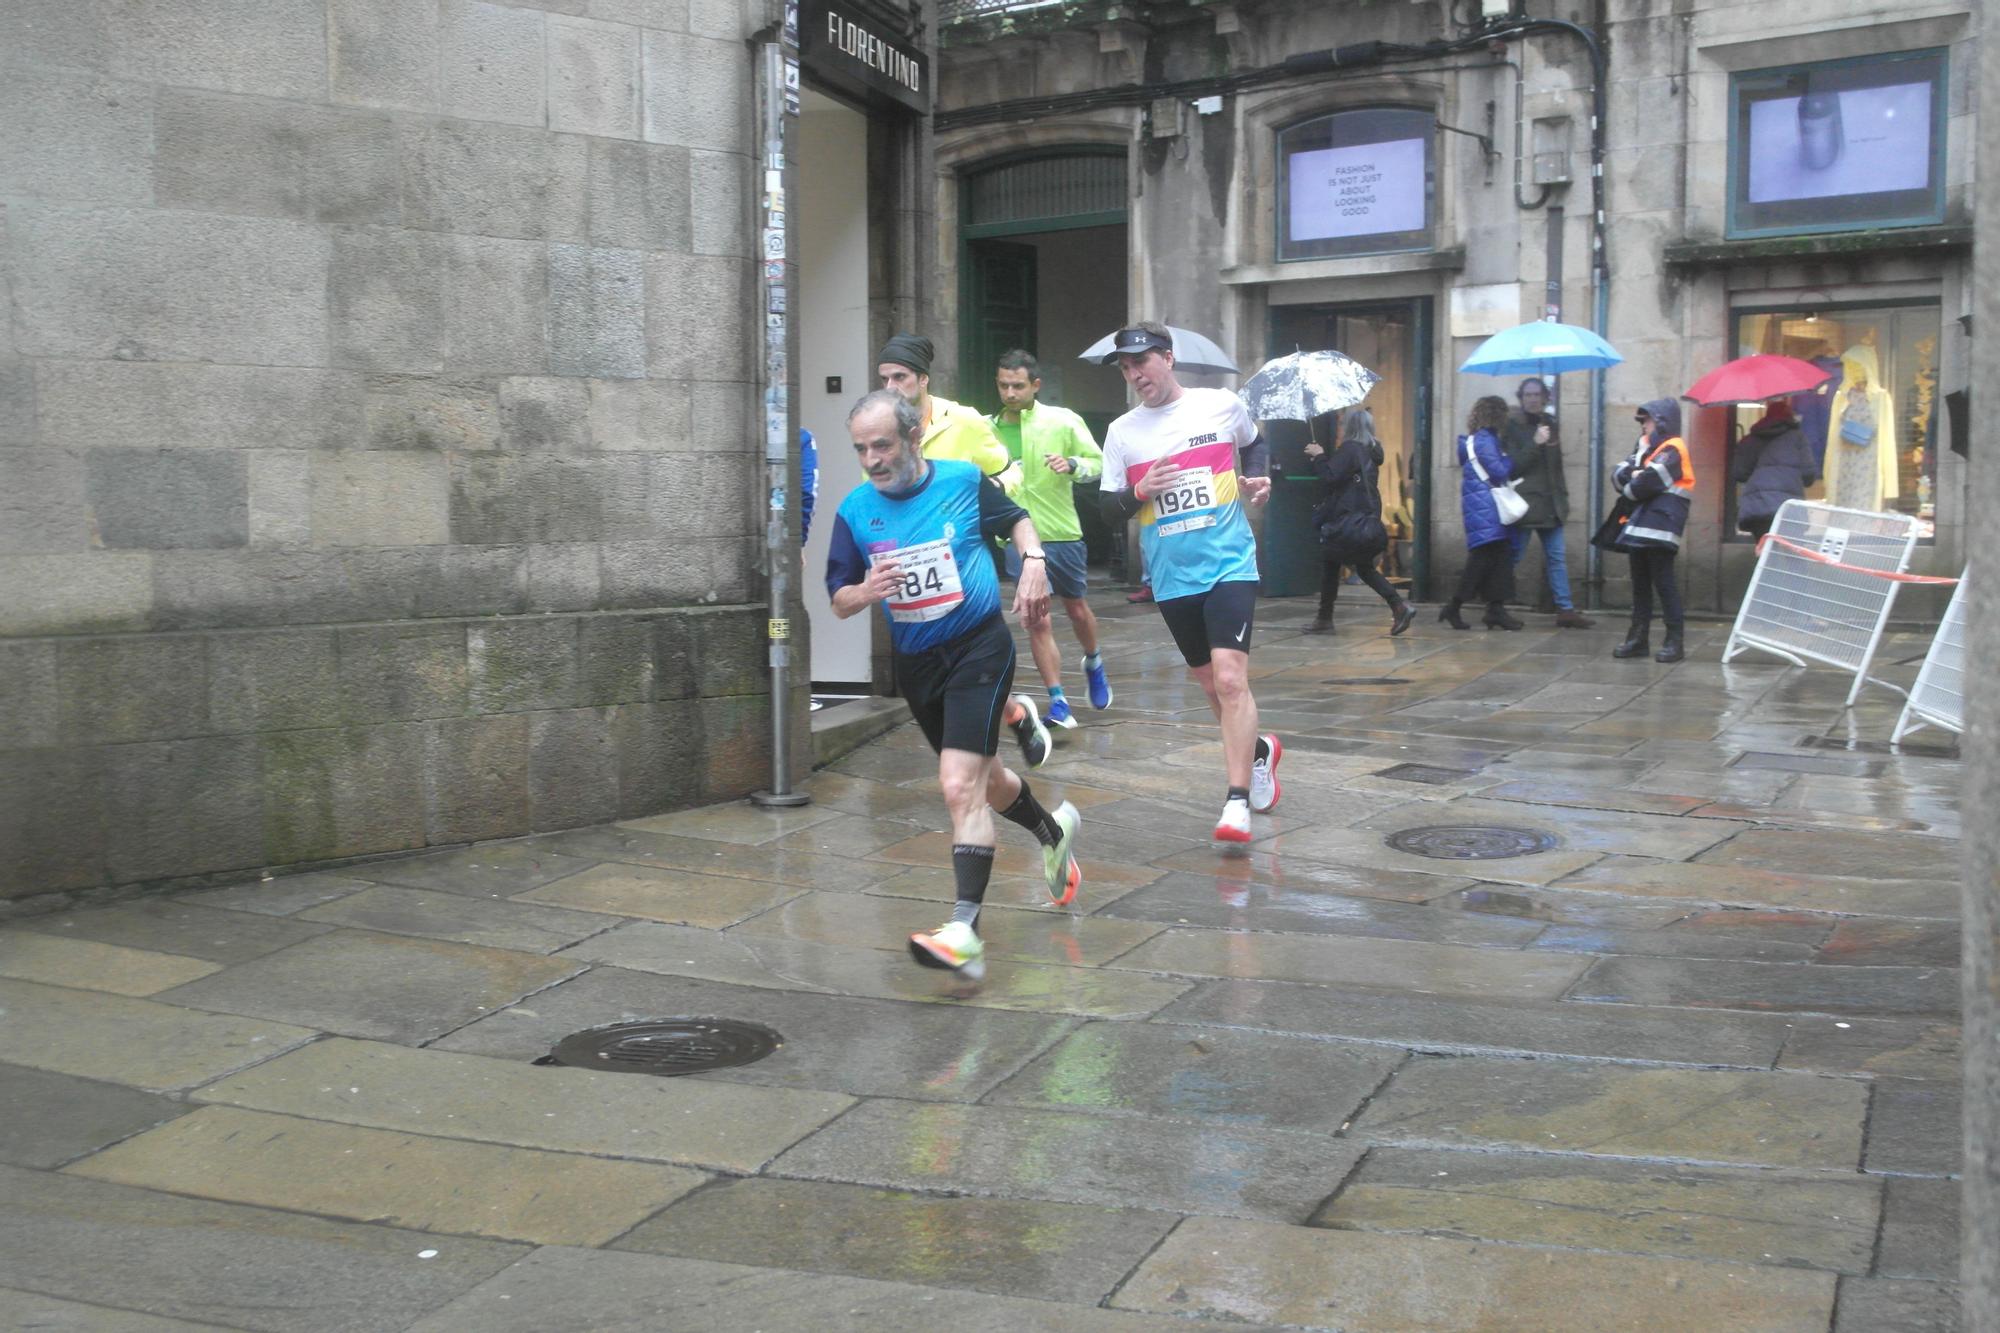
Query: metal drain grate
{"type": "Point", "coordinates": [666, 1047]}
{"type": "Point", "coordinates": [1429, 774]}
{"type": "Point", "coordinates": [1471, 842]}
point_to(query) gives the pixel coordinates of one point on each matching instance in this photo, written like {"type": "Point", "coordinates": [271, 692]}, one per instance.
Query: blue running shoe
{"type": "Point", "coordinates": [1059, 715]}
{"type": "Point", "coordinates": [1100, 687]}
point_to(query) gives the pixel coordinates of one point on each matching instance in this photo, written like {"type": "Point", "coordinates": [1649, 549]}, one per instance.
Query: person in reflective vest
{"type": "Point", "coordinates": [1657, 481]}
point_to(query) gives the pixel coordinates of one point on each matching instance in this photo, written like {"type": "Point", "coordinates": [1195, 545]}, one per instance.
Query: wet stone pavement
{"type": "Point", "coordinates": [1694, 1065]}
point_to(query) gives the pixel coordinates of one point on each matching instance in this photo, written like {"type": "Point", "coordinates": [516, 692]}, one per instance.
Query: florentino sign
{"type": "Point", "coordinates": [855, 53]}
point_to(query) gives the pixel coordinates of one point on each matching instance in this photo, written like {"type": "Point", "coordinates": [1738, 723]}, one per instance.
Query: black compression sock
{"type": "Point", "coordinates": [1238, 794]}
{"type": "Point", "coordinates": [1029, 815]}
{"type": "Point", "coordinates": [971, 867]}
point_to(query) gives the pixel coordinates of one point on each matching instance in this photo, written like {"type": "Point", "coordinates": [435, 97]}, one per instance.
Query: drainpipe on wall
{"type": "Point", "coordinates": [773, 307]}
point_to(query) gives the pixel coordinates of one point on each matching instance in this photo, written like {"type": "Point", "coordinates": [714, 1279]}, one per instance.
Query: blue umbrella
{"type": "Point", "coordinates": [1542, 348]}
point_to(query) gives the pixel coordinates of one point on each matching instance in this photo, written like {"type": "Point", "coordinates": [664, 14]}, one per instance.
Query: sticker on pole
{"type": "Point", "coordinates": [780, 629]}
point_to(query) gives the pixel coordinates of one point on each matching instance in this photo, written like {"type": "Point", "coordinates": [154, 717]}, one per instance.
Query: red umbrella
{"type": "Point", "coordinates": [1752, 379]}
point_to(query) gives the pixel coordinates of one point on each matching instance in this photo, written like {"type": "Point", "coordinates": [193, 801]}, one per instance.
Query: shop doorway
{"type": "Point", "coordinates": [834, 366]}
{"type": "Point", "coordinates": [1042, 267]}
{"type": "Point", "coordinates": [1392, 339]}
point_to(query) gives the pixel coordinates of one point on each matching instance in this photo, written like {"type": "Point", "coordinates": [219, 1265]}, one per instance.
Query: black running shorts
{"type": "Point", "coordinates": [957, 690]}
{"type": "Point", "coordinates": [1222, 617]}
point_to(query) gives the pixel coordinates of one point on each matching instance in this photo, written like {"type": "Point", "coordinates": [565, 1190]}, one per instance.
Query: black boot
{"type": "Point", "coordinates": [1638, 640]}
{"type": "Point", "coordinates": [1497, 617]}
{"type": "Point", "coordinates": [1405, 614]}
{"type": "Point", "coordinates": [1670, 650]}
{"type": "Point", "coordinates": [1448, 613]}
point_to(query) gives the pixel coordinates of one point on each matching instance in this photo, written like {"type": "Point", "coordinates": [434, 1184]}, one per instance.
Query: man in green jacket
{"type": "Point", "coordinates": [1052, 451]}
{"type": "Point", "coordinates": [1534, 448]}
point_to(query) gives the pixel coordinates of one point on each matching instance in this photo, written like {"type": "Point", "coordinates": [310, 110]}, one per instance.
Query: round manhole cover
{"type": "Point", "coordinates": [1471, 842]}
{"type": "Point", "coordinates": [665, 1046]}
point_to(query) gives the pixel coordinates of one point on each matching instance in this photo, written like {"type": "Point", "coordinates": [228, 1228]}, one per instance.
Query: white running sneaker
{"type": "Point", "coordinates": [953, 946]}
{"type": "Point", "coordinates": [1265, 788]}
{"type": "Point", "coordinates": [1058, 866]}
{"type": "Point", "coordinates": [1234, 825]}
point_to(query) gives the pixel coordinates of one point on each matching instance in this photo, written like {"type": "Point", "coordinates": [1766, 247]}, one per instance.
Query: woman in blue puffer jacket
{"type": "Point", "coordinates": [1489, 572]}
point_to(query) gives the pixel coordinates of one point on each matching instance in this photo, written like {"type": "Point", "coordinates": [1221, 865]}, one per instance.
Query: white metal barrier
{"type": "Point", "coordinates": [1818, 593]}
{"type": "Point", "coordinates": [1938, 697]}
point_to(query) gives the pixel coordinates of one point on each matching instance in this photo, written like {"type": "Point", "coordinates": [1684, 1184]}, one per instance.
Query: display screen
{"type": "Point", "coordinates": [1358, 190]}
{"type": "Point", "coordinates": [1839, 145]}
{"type": "Point", "coordinates": [1356, 182]}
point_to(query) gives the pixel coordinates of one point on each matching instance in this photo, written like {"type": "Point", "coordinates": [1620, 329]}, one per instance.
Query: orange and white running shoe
{"type": "Point", "coordinates": [953, 946]}
{"type": "Point", "coordinates": [1234, 825]}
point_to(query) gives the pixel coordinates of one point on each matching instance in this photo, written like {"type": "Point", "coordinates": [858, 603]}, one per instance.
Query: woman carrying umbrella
{"type": "Point", "coordinates": [1773, 464]}
{"type": "Point", "coordinates": [1489, 572]}
{"type": "Point", "coordinates": [1348, 519]}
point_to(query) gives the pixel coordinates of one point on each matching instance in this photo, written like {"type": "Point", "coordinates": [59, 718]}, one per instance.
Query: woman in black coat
{"type": "Point", "coordinates": [1774, 463]}
{"type": "Point", "coordinates": [1349, 519]}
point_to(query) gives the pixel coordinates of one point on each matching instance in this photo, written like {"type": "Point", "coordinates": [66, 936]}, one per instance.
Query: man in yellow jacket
{"type": "Point", "coordinates": [1053, 450]}
{"type": "Point", "coordinates": [951, 430]}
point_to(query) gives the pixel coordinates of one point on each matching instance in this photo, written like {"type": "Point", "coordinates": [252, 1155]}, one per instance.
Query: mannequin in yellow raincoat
{"type": "Point", "coordinates": [1861, 438]}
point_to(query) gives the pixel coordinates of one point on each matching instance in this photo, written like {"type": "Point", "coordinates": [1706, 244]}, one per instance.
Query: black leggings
{"type": "Point", "coordinates": [1329, 585]}
{"type": "Point", "coordinates": [1489, 573]}
{"type": "Point", "coordinates": [1653, 568]}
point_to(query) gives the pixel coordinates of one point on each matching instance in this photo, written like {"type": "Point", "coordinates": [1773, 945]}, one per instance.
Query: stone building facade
{"type": "Point", "coordinates": [377, 458]}
{"type": "Point", "coordinates": [1739, 215]}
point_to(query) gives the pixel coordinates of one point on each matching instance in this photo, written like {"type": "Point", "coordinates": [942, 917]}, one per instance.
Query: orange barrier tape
{"type": "Point", "coordinates": [1810, 554]}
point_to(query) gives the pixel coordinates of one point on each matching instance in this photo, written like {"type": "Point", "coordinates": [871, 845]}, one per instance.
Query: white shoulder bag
{"type": "Point", "coordinates": [1506, 500]}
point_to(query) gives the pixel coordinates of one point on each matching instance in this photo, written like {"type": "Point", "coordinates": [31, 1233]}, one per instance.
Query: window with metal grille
{"type": "Point", "coordinates": [1043, 190]}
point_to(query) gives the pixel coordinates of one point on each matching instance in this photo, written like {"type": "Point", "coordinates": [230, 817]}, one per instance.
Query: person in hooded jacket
{"type": "Point", "coordinates": [1657, 481]}
{"type": "Point", "coordinates": [1774, 463]}
{"type": "Point", "coordinates": [1348, 518]}
{"type": "Point", "coordinates": [1489, 567]}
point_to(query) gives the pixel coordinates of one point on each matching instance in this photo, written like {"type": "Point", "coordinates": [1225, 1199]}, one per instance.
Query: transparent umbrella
{"type": "Point", "coordinates": [1193, 352]}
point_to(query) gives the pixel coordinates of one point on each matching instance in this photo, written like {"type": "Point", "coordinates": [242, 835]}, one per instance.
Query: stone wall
{"type": "Point", "coordinates": [376, 463]}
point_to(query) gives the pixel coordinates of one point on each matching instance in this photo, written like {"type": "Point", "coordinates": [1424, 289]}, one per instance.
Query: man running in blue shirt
{"type": "Point", "coordinates": [914, 540]}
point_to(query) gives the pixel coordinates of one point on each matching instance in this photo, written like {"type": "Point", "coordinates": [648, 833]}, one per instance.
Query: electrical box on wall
{"type": "Point", "coordinates": [1494, 10]}
{"type": "Point", "coordinates": [1550, 150]}
{"type": "Point", "coordinates": [1163, 118]}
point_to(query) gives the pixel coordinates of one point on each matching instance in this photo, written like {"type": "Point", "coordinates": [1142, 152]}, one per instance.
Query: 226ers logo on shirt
{"type": "Point", "coordinates": [1189, 488]}
{"type": "Point", "coordinates": [929, 586]}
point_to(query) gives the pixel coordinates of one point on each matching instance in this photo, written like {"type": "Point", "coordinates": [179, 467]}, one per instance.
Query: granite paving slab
{"type": "Point", "coordinates": [1750, 923]}
{"type": "Point", "coordinates": [1897, 1047]}
{"type": "Point", "coordinates": [1915, 1129]}
{"type": "Point", "coordinates": [1893, 944]}
{"type": "Point", "coordinates": [1669, 944]}
{"type": "Point", "coordinates": [89, 965]}
{"type": "Point", "coordinates": [1369, 964]}
{"type": "Point", "coordinates": [766, 865]}
{"type": "Point", "coordinates": [1361, 1283]}
{"type": "Point", "coordinates": [1015, 892]}
{"type": "Point", "coordinates": [1885, 1305]}
{"type": "Point", "coordinates": [1920, 1229]}
{"type": "Point", "coordinates": [1785, 1219]}
{"type": "Point", "coordinates": [362, 984]}
{"type": "Point", "coordinates": [521, 926]}
{"type": "Point", "coordinates": [178, 926]}
{"type": "Point", "coordinates": [1224, 902]}
{"type": "Point", "coordinates": [1590, 796]}
{"type": "Point", "coordinates": [557, 1288]}
{"type": "Point", "coordinates": [1830, 852]}
{"type": "Point", "coordinates": [1748, 887]}
{"type": "Point", "coordinates": [873, 922]}
{"type": "Point", "coordinates": [279, 895]}
{"type": "Point", "coordinates": [888, 972]}
{"type": "Point", "coordinates": [1727, 1117]}
{"type": "Point", "coordinates": [1022, 855]}
{"type": "Point", "coordinates": [138, 1043]}
{"type": "Point", "coordinates": [1511, 1027]}
{"type": "Point", "coordinates": [1707, 983]}
{"type": "Point", "coordinates": [734, 821]}
{"type": "Point", "coordinates": [875, 800]}
{"type": "Point", "coordinates": [47, 1119]}
{"type": "Point", "coordinates": [848, 835]}
{"type": "Point", "coordinates": [161, 1254]}
{"type": "Point", "coordinates": [407, 1180]}
{"type": "Point", "coordinates": [866, 1047]}
{"type": "Point", "coordinates": [49, 1314]}
{"type": "Point", "coordinates": [686, 1121]}
{"type": "Point", "coordinates": [1011, 1247]}
{"type": "Point", "coordinates": [489, 870]}
{"type": "Point", "coordinates": [1612, 831]}
{"type": "Point", "coordinates": [678, 897]}
{"type": "Point", "coordinates": [1219, 1075]}
{"type": "Point", "coordinates": [1563, 907]}
{"type": "Point", "coordinates": [1286, 872]}
{"type": "Point", "coordinates": [1366, 850]}
{"type": "Point", "coordinates": [1066, 1157]}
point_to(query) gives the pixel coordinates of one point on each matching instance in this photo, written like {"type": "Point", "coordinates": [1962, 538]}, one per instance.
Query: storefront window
{"type": "Point", "coordinates": [1838, 145]}
{"type": "Point", "coordinates": [1356, 183]}
{"type": "Point", "coordinates": [1873, 428]}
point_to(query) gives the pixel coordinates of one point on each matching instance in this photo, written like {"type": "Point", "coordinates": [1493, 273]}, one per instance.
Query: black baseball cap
{"type": "Point", "coordinates": [1137, 339]}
